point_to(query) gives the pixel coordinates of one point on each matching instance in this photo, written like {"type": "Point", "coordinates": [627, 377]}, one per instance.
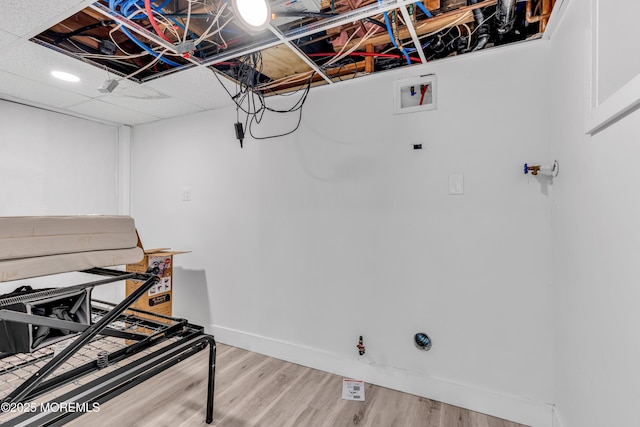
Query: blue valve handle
{"type": "Point", "coordinates": [526, 169]}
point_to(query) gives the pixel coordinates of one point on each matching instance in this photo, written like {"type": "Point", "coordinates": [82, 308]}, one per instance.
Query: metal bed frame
{"type": "Point", "coordinates": [119, 348]}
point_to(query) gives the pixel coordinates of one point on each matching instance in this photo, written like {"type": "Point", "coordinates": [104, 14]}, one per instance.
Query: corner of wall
{"type": "Point", "coordinates": [123, 178]}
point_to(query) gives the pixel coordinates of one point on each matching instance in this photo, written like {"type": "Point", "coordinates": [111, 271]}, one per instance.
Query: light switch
{"type": "Point", "coordinates": [186, 194]}
{"type": "Point", "coordinates": [456, 184]}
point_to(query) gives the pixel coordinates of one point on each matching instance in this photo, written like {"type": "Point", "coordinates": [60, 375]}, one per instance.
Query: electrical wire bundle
{"type": "Point", "coordinates": [333, 63]}
{"type": "Point", "coordinates": [250, 89]}
{"type": "Point", "coordinates": [250, 99]}
{"type": "Point", "coordinates": [194, 29]}
{"type": "Point", "coordinates": [173, 28]}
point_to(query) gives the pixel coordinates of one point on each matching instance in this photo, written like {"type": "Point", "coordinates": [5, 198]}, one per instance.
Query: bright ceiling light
{"type": "Point", "coordinates": [254, 15]}
{"type": "Point", "coordinates": [67, 77]}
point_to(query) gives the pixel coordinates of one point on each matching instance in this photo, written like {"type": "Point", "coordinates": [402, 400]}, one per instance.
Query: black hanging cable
{"type": "Point", "coordinates": [297, 107]}
{"type": "Point", "coordinates": [62, 36]}
{"type": "Point", "coordinates": [238, 128]}
{"type": "Point", "coordinates": [250, 99]}
{"type": "Point", "coordinates": [275, 136]}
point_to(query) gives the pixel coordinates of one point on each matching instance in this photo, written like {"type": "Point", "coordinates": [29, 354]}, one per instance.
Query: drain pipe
{"type": "Point", "coordinates": [505, 15]}
{"type": "Point", "coordinates": [483, 29]}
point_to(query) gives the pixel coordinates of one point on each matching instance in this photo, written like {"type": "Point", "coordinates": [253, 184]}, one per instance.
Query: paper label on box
{"type": "Point", "coordinates": [164, 285]}
{"type": "Point", "coordinates": [161, 264]}
{"type": "Point", "coordinates": [160, 299]}
{"type": "Point", "coordinates": [353, 390]}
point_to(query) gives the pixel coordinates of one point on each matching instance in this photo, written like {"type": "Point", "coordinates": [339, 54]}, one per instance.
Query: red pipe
{"type": "Point", "coordinates": [381, 55]}
{"type": "Point", "coordinates": [423, 91]}
{"type": "Point", "coordinates": [152, 20]}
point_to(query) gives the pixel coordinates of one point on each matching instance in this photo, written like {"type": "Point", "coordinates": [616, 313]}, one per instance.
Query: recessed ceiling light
{"type": "Point", "coordinates": [67, 77]}
{"type": "Point", "coordinates": [254, 15]}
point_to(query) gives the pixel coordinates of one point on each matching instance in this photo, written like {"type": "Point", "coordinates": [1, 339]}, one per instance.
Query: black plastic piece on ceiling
{"type": "Point", "coordinates": [239, 132]}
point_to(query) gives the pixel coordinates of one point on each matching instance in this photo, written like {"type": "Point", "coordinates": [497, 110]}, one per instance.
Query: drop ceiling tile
{"type": "Point", "coordinates": [23, 18]}
{"type": "Point", "coordinates": [112, 113]}
{"type": "Point", "coordinates": [149, 100]}
{"type": "Point", "coordinates": [6, 38]}
{"type": "Point", "coordinates": [34, 92]}
{"type": "Point", "coordinates": [36, 62]}
{"type": "Point", "coordinates": [196, 85]}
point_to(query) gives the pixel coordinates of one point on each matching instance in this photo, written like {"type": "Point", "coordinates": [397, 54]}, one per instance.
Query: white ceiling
{"type": "Point", "coordinates": [25, 74]}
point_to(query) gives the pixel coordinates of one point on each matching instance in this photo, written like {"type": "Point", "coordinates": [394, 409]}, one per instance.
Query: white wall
{"type": "Point", "coordinates": [303, 243]}
{"type": "Point", "coordinates": [54, 164]}
{"type": "Point", "coordinates": [596, 245]}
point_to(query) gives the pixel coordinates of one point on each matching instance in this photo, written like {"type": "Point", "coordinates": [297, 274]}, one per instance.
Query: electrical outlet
{"type": "Point", "coordinates": [456, 184]}
{"type": "Point", "coordinates": [186, 194]}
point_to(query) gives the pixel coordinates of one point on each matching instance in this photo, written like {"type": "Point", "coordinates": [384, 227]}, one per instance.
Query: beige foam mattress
{"type": "Point", "coordinates": [38, 246]}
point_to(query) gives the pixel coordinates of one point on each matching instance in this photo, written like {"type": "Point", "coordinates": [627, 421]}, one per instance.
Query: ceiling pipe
{"type": "Point", "coordinates": [482, 27]}
{"type": "Point", "coordinates": [505, 15]}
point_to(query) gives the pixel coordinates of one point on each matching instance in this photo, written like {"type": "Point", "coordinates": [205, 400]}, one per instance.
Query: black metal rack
{"type": "Point", "coordinates": [120, 346]}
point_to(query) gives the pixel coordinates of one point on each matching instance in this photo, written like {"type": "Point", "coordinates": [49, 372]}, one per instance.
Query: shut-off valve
{"type": "Point", "coordinates": [360, 346]}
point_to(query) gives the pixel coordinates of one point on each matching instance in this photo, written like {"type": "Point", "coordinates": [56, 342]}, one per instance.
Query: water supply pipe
{"type": "Point", "coordinates": [505, 15]}
{"type": "Point", "coordinates": [548, 170]}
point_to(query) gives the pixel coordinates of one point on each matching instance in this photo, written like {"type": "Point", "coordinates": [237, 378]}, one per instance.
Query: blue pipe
{"type": "Point", "coordinates": [148, 49]}
{"type": "Point", "coordinates": [413, 49]}
{"type": "Point", "coordinates": [126, 9]}
{"type": "Point", "coordinates": [112, 5]}
{"type": "Point", "coordinates": [393, 40]}
{"type": "Point", "coordinates": [424, 9]}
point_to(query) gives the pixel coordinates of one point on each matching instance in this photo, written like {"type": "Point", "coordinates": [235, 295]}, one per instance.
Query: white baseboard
{"type": "Point", "coordinates": [514, 408]}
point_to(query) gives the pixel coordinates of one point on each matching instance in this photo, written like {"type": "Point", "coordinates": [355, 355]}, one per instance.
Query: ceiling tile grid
{"type": "Point", "coordinates": [155, 103]}
{"type": "Point", "coordinates": [328, 41]}
{"type": "Point", "coordinates": [25, 69]}
{"type": "Point", "coordinates": [17, 87]}
{"type": "Point", "coordinates": [7, 38]}
{"type": "Point", "coordinates": [36, 63]}
{"type": "Point", "coordinates": [105, 111]}
{"type": "Point", "coordinates": [196, 85]}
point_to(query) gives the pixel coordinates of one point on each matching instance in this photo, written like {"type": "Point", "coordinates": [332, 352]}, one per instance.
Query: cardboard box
{"type": "Point", "coordinates": [159, 298]}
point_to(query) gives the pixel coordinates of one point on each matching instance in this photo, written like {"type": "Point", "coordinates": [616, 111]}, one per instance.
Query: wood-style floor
{"type": "Point", "coordinates": [253, 390]}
